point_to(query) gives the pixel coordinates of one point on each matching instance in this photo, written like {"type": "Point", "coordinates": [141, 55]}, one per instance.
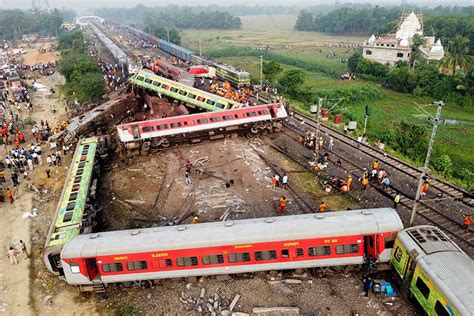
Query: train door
{"type": "Point", "coordinates": [136, 132]}
{"type": "Point", "coordinates": [92, 269]}
{"type": "Point", "coordinates": [370, 248]}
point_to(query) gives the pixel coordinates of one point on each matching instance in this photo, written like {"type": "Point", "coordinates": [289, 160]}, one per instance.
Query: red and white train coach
{"type": "Point", "coordinates": [255, 117]}
{"type": "Point", "coordinates": [274, 243]}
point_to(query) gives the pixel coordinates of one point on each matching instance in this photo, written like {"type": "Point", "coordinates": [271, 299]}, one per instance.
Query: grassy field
{"type": "Point", "coordinates": [386, 111]}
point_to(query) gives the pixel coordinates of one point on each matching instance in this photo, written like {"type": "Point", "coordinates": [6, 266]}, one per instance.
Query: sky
{"type": "Point", "coordinates": [83, 4]}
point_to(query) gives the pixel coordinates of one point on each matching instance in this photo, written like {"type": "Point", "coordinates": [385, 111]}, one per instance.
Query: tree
{"type": "Point", "coordinates": [353, 61]}
{"type": "Point", "coordinates": [410, 140]}
{"type": "Point", "coordinates": [458, 48]}
{"type": "Point", "coordinates": [291, 81]}
{"type": "Point", "coordinates": [271, 70]}
{"type": "Point", "coordinates": [417, 42]}
{"type": "Point", "coordinates": [443, 164]}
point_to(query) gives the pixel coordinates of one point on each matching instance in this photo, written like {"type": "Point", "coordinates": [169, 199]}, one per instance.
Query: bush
{"type": "Point", "coordinates": [352, 94]}
{"type": "Point", "coordinates": [443, 164]}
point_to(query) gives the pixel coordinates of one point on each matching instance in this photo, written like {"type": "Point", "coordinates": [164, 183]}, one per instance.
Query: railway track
{"type": "Point", "coordinates": [427, 211]}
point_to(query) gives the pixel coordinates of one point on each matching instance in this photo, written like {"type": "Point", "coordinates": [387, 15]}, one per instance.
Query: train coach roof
{"type": "Point", "coordinates": [360, 222]}
{"type": "Point", "coordinates": [453, 273]}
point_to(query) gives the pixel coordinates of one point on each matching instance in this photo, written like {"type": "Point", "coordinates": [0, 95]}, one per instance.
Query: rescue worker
{"type": "Point", "coordinates": [396, 200]}
{"type": "Point", "coordinates": [195, 219]}
{"type": "Point", "coordinates": [284, 182]}
{"type": "Point", "coordinates": [12, 255]}
{"type": "Point", "coordinates": [349, 182]}
{"type": "Point", "coordinates": [23, 248]}
{"type": "Point", "coordinates": [424, 188]}
{"type": "Point", "coordinates": [10, 196]}
{"type": "Point", "coordinates": [274, 182]}
{"type": "Point", "coordinates": [282, 205]}
{"type": "Point", "coordinates": [322, 207]}
{"type": "Point", "coordinates": [375, 165]}
{"type": "Point", "coordinates": [365, 183]}
{"type": "Point", "coordinates": [467, 221]}
{"type": "Point", "coordinates": [368, 283]}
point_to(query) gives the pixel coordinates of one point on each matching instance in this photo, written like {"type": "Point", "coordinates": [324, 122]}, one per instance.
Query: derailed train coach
{"type": "Point", "coordinates": [274, 243]}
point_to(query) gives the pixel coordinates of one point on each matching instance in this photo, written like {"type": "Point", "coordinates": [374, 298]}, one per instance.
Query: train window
{"type": "Point", "coordinates": [220, 105]}
{"type": "Point", "coordinates": [156, 83]}
{"type": "Point", "coordinates": [398, 254]}
{"type": "Point", "coordinates": [265, 255]}
{"type": "Point", "coordinates": [70, 206]}
{"type": "Point", "coordinates": [440, 309]}
{"type": "Point", "coordinates": [182, 92]}
{"type": "Point", "coordinates": [389, 242]}
{"type": "Point", "coordinates": [162, 127]}
{"type": "Point", "coordinates": [147, 129]}
{"type": "Point", "coordinates": [285, 253]}
{"type": "Point", "coordinates": [136, 265]}
{"type": "Point", "coordinates": [173, 89]}
{"type": "Point", "coordinates": [213, 259]}
{"type": "Point", "coordinates": [82, 164]}
{"type": "Point", "coordinates": [239, 257]}
{"type": "Point", "coordinates": [202, 121]}
{"type": "Point", "coordinates": [319, 251]}
{"type": "Point", "coordinates": [77, 179]}
{"type": "Point", "coordinates": [192, 96]}
{"type": "Point", "coordinates": [176, 124]}
{"type": "Point", "coordinates": [165, 87]}
{"type": "Point", "coordinates": [215, 119]}
{"type": "Point", "coordinates": [140, 78]}
{"type": "Point", "coordinates": [187, 261]}
{"type": "Point", "coordinates": [147, 80]}
{"type": "Point", "coordinates": [344, 249]}
{"type": "Point", "coordinates": [210, 102]}
{"type": "Point", "coordinates": [67, 216]}
{"type": "Point", "coordinates": [163, 264]}
{"type": "Point", "coordinates": [86, 146]}
{"type": "Point", "coordinates": [422, 287]}
{"type": "Point", "coordinates": [79, 172]}
{"type": "Point", "coordinates": [227, 117]}
{"type": "Point", "coordinates": [201, 99]}
{"type": "Point", "coordinates": [371, 241]}
{"type": "Point", "coordinates": [75, 187]}
{"type": "Point", "coordinates": [263, 112]}
{"type": "Point", "coordinates": [74, 267]}
{"type": "Point", "coordinates": [112, 267]}
{"type": "Point", "coordinates": [250, 114]}
{"type": "Point", "coordinates": [73, 196]}
{"type": "Point", "coordinates": [300, 252]}
{"type": "Point", "coordinates": [84, 152]}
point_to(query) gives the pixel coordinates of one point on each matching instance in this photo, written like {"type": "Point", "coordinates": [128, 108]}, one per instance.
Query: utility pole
{"type": "Point", "coordinates": [366, 117]}
{"type": "Point", "coordinates": [261, 71]}
{"type": "Point", "coordinates": [168, 33]}
{"type": "Point", "coordinates": [200, 48]}
{"type": "Point", "coordinates": [318, 126]}
{"type": "Point", "coordinates": [424, 171]}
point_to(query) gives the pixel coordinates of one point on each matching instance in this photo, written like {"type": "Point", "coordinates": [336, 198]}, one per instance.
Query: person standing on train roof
{"type": "Point", "coordinates": [282, 205]}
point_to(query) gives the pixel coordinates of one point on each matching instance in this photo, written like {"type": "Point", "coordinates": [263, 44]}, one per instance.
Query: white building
{"type": "Point", "coordinates": [391, 48]}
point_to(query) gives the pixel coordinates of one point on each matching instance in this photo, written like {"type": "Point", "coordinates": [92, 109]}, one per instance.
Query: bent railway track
{"type": "Point", "coordinates": [431, 213]}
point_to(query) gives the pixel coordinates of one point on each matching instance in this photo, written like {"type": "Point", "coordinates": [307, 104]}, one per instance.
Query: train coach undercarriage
{"type": "Point", "coordinates": [150, 145]}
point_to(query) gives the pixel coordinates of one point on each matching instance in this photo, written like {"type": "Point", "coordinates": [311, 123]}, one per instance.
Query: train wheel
{"type": "Point", "coordinates": [165, 143]}
{"type": "Point", "coordinates": [254, 129]}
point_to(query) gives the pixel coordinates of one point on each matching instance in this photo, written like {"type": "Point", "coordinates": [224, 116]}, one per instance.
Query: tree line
{"type": "Point", "coordinates": [442, 22]}
{"type": "Point", "coordinates": [15, 23]}
{"type": "Point", "coordinates": [173, 16]}
{"type": "Point", "coordinates": [84, 79]}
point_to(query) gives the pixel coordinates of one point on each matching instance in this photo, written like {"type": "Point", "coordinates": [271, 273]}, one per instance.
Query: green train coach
{"type": "Point", "coordinates": [73, 213]}
{"type": "Point", "coordinates": [437, 273]}
{"type": "Point", "coordinates": [192, 96]}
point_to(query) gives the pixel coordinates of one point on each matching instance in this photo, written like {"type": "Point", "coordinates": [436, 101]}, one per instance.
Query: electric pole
{"type": "Point", "coordinates": [261, 71]}
{"type": "Point", "coordinates": [318, 126]}
{"type": "Point", "coordinates": [366, 117]}
{"type": "Point", "coordinates": [200, 48]}
{"type": "Point", "coordinates": [424, 171]}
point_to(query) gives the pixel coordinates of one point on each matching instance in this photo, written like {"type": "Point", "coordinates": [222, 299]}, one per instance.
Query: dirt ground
{"type": "Point", "coordinates": [34, 56]}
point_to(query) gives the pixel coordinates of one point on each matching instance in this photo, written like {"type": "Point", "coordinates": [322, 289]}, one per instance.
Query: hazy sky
{"type": "Point", "coordinates": [83, 4]}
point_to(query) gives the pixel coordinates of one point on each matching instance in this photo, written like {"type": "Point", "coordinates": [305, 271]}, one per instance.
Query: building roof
{"type": "Point", "coordinates": [409, 27]}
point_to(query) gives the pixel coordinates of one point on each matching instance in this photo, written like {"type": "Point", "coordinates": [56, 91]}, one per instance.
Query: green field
{"type": "Point", "coordinates": [386, 111]}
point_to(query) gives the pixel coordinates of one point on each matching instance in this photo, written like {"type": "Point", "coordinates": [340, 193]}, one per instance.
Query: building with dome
{"type": "Point", "coordinates": [391, 48]}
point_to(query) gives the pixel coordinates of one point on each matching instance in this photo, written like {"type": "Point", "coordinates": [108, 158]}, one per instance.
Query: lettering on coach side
{"type": "Point", "coordinates": [330, 241]}
{"type": "Point", "coordinates": [121, 258]}
{"type": "Point", "coordinates": [159, 255]}
{"type": "Point", "coordinates": [291, 244]}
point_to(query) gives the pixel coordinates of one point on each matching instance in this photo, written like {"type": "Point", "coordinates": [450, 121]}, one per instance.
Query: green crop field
{"type": "Point", "coordinates": [310, 50]}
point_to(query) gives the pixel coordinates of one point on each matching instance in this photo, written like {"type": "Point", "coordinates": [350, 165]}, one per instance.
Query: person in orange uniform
{"type": "Point", "coordinates": [467, 221]}
{"type": "Point", "coordinates": [365, 183]}
{"type": "Point", "coordinates": [322, 207]}
{"type": "Point", "coordinates": [424, 188]}
{"type": "Point", "coordinates": [349, 182]}
{"type": "Point", "coordinates": [282, 205]}
{"type": "Point", "coordinates": [375, 165]}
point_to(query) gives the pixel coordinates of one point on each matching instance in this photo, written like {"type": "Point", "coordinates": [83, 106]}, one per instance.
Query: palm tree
{"type": "Point", "coordinates": [457, 55]}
